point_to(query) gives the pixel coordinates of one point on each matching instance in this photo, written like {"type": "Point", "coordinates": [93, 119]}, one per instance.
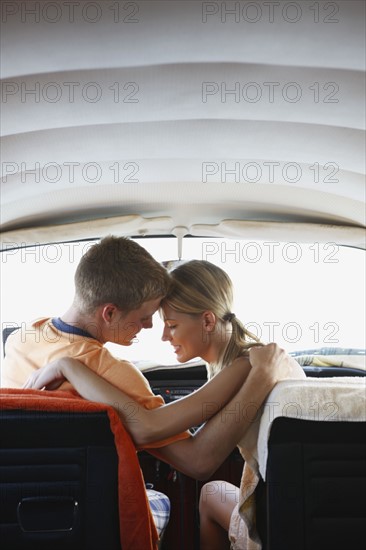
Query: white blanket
{"type": "Point", "coordinates": [317, 399]}
{"type": "Point", "coordinates": [320, 399]}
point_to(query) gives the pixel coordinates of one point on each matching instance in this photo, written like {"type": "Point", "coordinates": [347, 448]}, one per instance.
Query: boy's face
{"type": "Point", "coordinates": [126, 326]}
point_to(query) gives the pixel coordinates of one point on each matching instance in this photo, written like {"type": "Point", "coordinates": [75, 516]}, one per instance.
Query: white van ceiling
{"type": "Point", "coordinates": [181, 114]}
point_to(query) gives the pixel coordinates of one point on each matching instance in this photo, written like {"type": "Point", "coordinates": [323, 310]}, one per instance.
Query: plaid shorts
{"type": "Point", "coordinates": [160, 508]}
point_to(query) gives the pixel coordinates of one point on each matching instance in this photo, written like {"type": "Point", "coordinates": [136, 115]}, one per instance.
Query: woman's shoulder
{"type": "Point", "coordinates": [241, 361]}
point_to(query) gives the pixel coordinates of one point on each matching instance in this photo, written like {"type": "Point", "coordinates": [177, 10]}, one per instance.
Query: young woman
{"type": "Point", "coordinates": [199, 322]}
{"type": "Point", "coordinates": [203, 290]}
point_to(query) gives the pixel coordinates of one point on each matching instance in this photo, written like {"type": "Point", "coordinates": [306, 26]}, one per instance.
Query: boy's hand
{"type": "Point", "coordinates": [49, 377]}
{"type": "Point", "coordinates": [271, 361]}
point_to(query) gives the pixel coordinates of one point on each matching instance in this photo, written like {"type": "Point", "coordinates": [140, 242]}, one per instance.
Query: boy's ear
{"type": "Point", "coordinates": [209, 321]}
{"type": "Point", "coordinates": [108, 312]}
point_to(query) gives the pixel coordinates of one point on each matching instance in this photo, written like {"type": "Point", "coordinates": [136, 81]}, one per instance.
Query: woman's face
{"type": "Point", "coordinates": [185, 333]}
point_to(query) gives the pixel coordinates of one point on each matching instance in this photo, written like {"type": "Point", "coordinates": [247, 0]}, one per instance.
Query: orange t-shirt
{"type": "Point", "coordinates": [40, 342]}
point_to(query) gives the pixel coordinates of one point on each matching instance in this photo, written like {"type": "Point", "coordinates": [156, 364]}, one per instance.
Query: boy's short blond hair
{"type": "Point", "coordinates": [117, 270]}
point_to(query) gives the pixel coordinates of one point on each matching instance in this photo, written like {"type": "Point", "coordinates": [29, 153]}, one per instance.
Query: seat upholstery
{"type": "Point", "coordinates": [58, 486]}
{"type": "Point", "coordinates": [314, 494]}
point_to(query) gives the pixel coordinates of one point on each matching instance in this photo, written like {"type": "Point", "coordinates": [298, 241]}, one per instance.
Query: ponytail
{"type": "Point", "coordinates": [239, 344]}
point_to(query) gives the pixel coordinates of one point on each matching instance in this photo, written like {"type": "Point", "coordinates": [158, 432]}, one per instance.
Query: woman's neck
{"type": "Point", "coordinates": [217, 345]}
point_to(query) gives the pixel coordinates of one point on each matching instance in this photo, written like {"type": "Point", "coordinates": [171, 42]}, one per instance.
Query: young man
{"type": "Point", "coordinates": [118, 288]}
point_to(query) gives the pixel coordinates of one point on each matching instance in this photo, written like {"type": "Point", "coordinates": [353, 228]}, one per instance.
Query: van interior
{"type": "Point", "coordinates": [226, 131]}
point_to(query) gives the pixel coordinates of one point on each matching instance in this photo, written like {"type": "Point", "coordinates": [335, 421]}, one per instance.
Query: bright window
{"type": "Point", "coordinates": [302, 296]}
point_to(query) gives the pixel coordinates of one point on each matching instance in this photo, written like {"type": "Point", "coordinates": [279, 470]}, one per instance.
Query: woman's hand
{"type": "Point", "coordinates": [49, 377]}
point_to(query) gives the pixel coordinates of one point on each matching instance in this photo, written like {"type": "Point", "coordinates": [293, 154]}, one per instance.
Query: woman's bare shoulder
{"type": "Point", "coordinates": [241, 362]}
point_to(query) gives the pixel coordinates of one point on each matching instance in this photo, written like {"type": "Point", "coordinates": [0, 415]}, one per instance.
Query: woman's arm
{"type": "Point", "coordinates": [200, 456]}
{"type": "Point", "coordinates": [144, 425]}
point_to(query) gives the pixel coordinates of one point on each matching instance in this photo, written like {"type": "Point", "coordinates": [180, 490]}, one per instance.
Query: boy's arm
{"type": "Point", "coordinates": [147, 426]}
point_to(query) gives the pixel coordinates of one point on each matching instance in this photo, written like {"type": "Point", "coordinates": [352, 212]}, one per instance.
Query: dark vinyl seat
{"type": "Point", "coordinates": [314, 496]}
{"type": "Point", "coordinates": [58, 481]}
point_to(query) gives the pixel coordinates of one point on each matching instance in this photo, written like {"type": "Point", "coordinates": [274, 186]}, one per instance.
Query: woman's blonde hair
{"type": "Point", "coordinates": [199, 286]}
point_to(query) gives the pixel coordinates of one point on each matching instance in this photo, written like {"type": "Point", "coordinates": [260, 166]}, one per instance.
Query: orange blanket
{"type": "Point", "coordinates": [137, 527]}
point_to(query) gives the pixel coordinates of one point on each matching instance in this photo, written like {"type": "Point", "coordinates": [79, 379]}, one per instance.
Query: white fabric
{"type": "Point", "coordinates": [316, 399]}
{"type": "Point", "coordinates": [244, 534]}
{"type": "Point", "coordinates": [320, 399]}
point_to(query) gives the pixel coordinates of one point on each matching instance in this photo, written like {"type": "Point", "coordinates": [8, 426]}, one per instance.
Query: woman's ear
{"type": "Point", "coordinates": [209, 321]}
